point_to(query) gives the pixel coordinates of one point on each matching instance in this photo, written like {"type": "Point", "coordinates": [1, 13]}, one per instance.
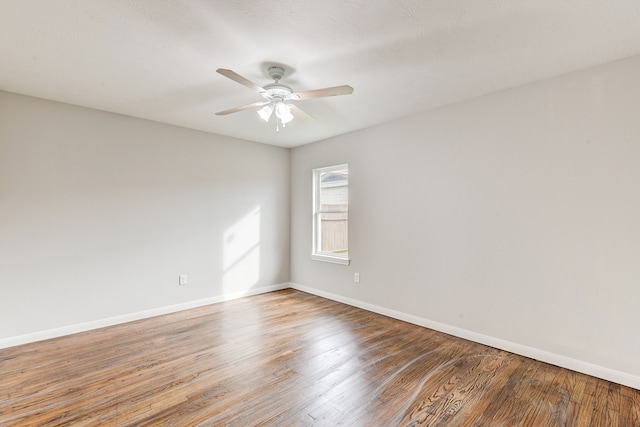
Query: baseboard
{"type": "Point", "coordinates": [83, 327]}
{"type": "Point", "coordinates": [534, 353]}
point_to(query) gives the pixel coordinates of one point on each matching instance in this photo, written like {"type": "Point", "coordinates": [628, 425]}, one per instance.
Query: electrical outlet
{"type": "Point", "coordinates": [182, 279]}
{"type": "Point", "coordinates": [356, 277]}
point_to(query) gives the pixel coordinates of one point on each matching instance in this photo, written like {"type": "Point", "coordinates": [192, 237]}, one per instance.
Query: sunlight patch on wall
{"type": "Point", "coordinates": [241, 253]}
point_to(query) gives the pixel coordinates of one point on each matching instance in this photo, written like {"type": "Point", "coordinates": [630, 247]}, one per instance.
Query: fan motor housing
{"type": "Point", "coordinates": [277, 89]}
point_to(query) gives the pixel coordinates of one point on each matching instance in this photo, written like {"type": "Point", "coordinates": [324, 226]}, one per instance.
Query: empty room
{"type": "Point", "coordinates": [305, 213]}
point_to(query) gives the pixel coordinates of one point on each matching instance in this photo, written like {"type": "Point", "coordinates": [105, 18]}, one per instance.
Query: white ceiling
{"type": "Point", "coordinates": [157, 59]}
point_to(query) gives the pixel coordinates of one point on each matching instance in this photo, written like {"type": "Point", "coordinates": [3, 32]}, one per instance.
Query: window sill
{"type": "Point", "coordinates": [329, 258]}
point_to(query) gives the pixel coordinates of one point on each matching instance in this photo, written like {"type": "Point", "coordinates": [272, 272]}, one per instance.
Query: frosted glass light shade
{"type": "Point", "coordinates": [265, 112]}
{"type": "Point", "coordinates": [283, 111]}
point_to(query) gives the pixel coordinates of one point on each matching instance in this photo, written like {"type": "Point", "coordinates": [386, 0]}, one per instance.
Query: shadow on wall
{"type": "Point", "coordinates": [241, 254]}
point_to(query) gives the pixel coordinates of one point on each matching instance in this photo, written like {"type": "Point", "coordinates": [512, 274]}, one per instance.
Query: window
{"type": "Point", "coordinates": [331, 214]}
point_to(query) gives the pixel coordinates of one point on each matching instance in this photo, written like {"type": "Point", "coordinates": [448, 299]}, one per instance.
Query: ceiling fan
{"type": "Point", "coordinates": [277, 94]}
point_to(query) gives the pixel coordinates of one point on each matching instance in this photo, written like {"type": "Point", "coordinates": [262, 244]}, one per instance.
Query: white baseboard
{"type": "Point", "coordinates": [534, 353]}
{"type": "Point", "coordinates": [82, 327]}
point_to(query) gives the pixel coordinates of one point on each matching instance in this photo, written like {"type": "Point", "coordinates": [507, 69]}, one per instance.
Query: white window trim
{"type": "Point", "coordinates": [333, 259]}
{"type": "Point", "coordinates": [320, 256]}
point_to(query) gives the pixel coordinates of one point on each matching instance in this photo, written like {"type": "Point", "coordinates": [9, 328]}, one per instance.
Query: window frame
{"type": "Point", "coordinates": [316, 254]}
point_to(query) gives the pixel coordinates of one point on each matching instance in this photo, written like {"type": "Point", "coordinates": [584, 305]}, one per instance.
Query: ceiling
{"type": "Point", "coordinates": [157, 59]}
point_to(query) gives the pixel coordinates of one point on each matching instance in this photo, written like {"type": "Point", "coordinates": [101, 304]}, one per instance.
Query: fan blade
{"type": "Point", "coordinates": [299, 112]}
{"type": "Point", "coordinates": [244, 107]}
{"type": "Point", "coordinates": [321, 93]}
{"type": "Point", "coordinates": [238, 78]}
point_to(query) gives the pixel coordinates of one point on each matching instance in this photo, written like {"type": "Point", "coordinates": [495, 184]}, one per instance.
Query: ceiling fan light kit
{"type": "Point", "coordinates": [276, 94]}
{"type": "Point", "coordinates": [282, 110]}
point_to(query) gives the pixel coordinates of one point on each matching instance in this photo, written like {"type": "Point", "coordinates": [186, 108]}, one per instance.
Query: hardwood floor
{"type": "Point", "coordinates": [288, 358]}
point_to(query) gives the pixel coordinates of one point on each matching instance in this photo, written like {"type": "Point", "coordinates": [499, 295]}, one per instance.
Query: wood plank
{"type": "Point", "coordinates": [288, 358]}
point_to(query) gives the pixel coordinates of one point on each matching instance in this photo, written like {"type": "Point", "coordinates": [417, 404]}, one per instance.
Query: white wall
{"type": "Point", "coordinates": [100, 213]}
{"type": "Point", "coordinates": [515, 216]}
